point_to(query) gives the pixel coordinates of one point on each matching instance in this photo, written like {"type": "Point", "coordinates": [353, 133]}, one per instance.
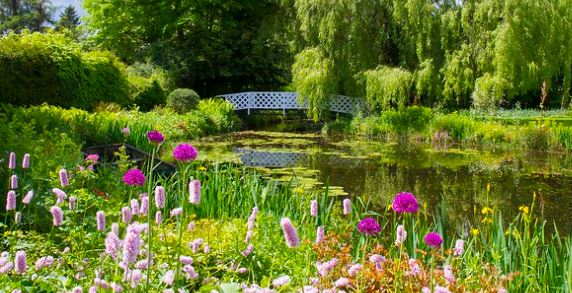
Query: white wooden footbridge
{"type": "Point", "coordinates": [288, 101]}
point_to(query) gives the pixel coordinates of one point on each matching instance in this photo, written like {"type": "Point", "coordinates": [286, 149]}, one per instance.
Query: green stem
{"type": "Point", "coordinates": [180, 221]}
{"type": "Point", "coordinates": [149, 191]}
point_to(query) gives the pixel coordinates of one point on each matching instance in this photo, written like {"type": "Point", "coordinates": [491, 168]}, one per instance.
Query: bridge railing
{"type": "Point", "coordinates": [287, 101]}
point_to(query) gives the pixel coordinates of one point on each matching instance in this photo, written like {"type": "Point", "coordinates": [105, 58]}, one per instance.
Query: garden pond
{"type": "Point", "coordinates": [440, 175]}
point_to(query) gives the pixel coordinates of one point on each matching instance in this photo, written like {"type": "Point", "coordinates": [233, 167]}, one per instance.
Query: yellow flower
{"type": "Point", "coordinates": [487, 210]}
{"type": "Point", "coordinates": [202, 168]}
{"type": "Point", "coordinates": [389, 207]}
{"type": "Point", "coordinates": [475, 232]}
{"type": "Point", "coordinates": [487, 220]}
{"type": "Point", "coordinates": [488, 187]}
{"type": "Point", "coordinates": [298, 190]}
{"type": "Point", "coordinates": [524, 209]}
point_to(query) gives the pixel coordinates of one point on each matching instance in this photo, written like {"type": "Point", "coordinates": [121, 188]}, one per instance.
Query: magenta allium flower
{"type": "Point", "coordinates": [14, 182]}
{"type": "Point", "coordinates": [11, 200]}
{"type": "Point", "coordinates": [100, 218]}
{"type": "Point", "coordinates": [281, 281]}
{"type": "Point", "coordinates": [290, 234]}
{"type": "Point", "coordinates": [112, 244]}
{"type": "Point", "coordinates": [72, 201]}
{"type": "Point", "coordinates": [26, 161]}
{"type": "Point", "coordinates": [28, 198]}
{"type": "Point", "coordinates": [448, 274]}
{"type": "Point", "coordinates": [369, 226]}
{"type": "Point", "coordinates": [169, 278]}
{"type": "Point", "coordinates": [17, 218]}
{"type": "Point", "coordinates": [125, 131]}
{"type": "Point", "coordinates": [195, 192]}
{"type": "Point", "coordinates": [57, 215]}
{"type": "Point", "coordinates": [160, 197]}
{"type": "Point", "coordinates": [44, 262]}
{"type": "Point", "coordinates": [342, 282]}
{"type": "Point", "coordinates": [184, 152]}
{"type": "Point", "coordinates": [134, 207]}
{"type": "Point", "coordinates": [20, 265]}
{"type": "Point", "coordinates": [354, 269]}
{"type": "Point", "coordinates": [433, 239]}
{"type": "Point", "coordinates": [144, 205]}
{"type": "Point", "coordinates": [12, 161]}
{"type": "Point", "coordinates": [134, 177]}
{"type": "Point", "coordinates": [131, 245]}
{"type": "Point", "coordinates": [186, 260]}
{"type": "Point", "coordinates": [64, 180]}
{"type": "Point", "coordinates": [155, 136]}
{"type": "Point", "coordinates": [248, 250]}
{"type": "Point", "coordinates": [158, 218]}
{"type": "Point", "coordinates": [405, 202]}
{"type": "Point", "coordinates": [176, 212]}
{"type": "Point", "coordinates": [126, 215]}
{"type": "Point", "coordinates": [314, 208]}
{"type": "Point", "coordinates": [459, 247]}
{"type": "Point", "coordinates": [347, 204]}
{"type": "Point", "coordinates": [400, 235]}
{"type": "Point", "coordinates": [320, 234]}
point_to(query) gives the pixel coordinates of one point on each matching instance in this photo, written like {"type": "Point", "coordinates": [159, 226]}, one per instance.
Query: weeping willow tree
{"type": "Point", "coordinates": [388, 87]}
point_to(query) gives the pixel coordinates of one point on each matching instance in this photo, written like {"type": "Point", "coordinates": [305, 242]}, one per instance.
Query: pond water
{"type": "Point", "coordinates": [435, 173]}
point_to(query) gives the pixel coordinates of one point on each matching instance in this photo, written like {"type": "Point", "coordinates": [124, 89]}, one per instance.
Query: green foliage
{"type": "Point", "coordinates": [313, 79]}
{"type": "Point", "coordinates": [388, 87]}
{"type": "Point", "coordinates": [150, 96]}
{"type": "Point", "coordinates": [20, 15]}
{"type": "Point", "coordinates": [183, 100]}
{"type": "Point", "coordinates": [409, 120]}
{"type": "Point", "coordinates": [69, 19]}
{"type": "Point", "coordinates": [38, 68]}
{"type": "Point", "coordinates": [220, 115]}
{"type": "Point", "coordinates": [488, 92]}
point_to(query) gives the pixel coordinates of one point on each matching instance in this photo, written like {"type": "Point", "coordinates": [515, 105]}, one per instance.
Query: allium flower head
{"type": "Point", "coordinates": [405, 202]}
{"type": "Point", "coordinates": [433, 239]}
{"type": "Point", "coordinates": [155, 136]}
{"type": "Point", "coordinates": [369, 226]}
{"type": "Point", "coordinates": [134, 177]}
{"type": "Point", "coordinates": [184, 152]}
{"type": "Point", "coordinates": [290, 234]}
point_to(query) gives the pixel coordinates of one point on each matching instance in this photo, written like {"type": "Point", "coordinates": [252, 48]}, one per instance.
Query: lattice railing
{"type": "Point", "coordinates": [287, 101]}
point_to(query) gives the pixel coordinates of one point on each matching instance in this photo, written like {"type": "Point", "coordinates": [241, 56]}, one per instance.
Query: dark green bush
{"type": "Point", "coordinates": [407, 120]}
{"type": "Point", "coordinates": [183, 100]}
{"type": "Point", "coordinates": [150, 96]}
{"type": "Point", "coordinates": [49, 68]}
{"type": "Point", "coordinates": [220, 114]}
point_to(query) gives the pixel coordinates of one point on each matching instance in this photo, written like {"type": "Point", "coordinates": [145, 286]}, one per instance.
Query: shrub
{"type": "Point", "coordinates": [408, 120]}
{"type": "Point", "coordinates": [457, 126]}
{"type": "Point", "coordinates": [388, 87]}
{"type": "Point", "coordinates": [183, 100]}
{"type": "Point", "coordinates": [149, 96]}
{"type": "Point", "coordinates": [220, 114]}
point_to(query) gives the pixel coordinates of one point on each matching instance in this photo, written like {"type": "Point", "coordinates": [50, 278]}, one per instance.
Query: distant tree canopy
{"type": "Point", "coordinates": [68, 19]}
{"type": "Point", "coordinates": [33, 15]}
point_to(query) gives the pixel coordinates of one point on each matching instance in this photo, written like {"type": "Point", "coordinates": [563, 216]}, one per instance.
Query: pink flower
{"type": "Point", "coordinates": [433, 239]}
{"type": "Point", "coordinates": [26, 161]}
{"type": "Point", "coordinates": [191, 226]}
{"type": "Point", "coordinates": [93, 158]}
{"type": "Point", "coordinates": [195, 192]}
{"type": "Point", "coordinates": [100, 218]}
{"type": "Point", "coordinates": [64, 180]}
{"type": "Point", "coordinates": [290, 234]}
{"type": "Point", "coordinates": [184, 153]}
{"type": "Point", "coordinates": [242, 271]}
{"type": "Point", "coordinates": [448, 274]}
{"type": "Point", "coordinates": [414, 268]}
{"type": "Point", "coordinates": [6, 268]}
{"type": "Point", "coordinates": [21, 267]}
{"type": "Point", "coordinates": [14, 182]}
{"type": "Point", "coordinates": [176, 212]}
{"type": "Point", "coordinates": [158, 218]}
{"type": "Point", "coordinates": [459, 247]}
{"type": "Point", "coordinates": [57, 215]}
{"type": "Point", "coordinates": [169, 278]}
{"type": "Point", "coordinates": [378, 260]}
{"type": "Point", "coordinates": [112, 244]}
{"type": "Point", "coordinates": [131, 245]}
{"type": "Point", "coordinates": [134, 177]}
{"type": "Point", "coordinates": [248, 250]}
{"type": "Point", "coordinates": [314, 208]}
{"type": "Point", "coordinates": [369, 226]}
{"type": "Point", "coordinates": [325, 268]}
{"type": "Point", "coordinates": [125, 131]}
{"type": "Point", "coordinates": [281, 281]}
{"type": "Point", "coordinates": [11, 200]}
{"type": "Point", "coordinates": [155, 137]}
{"type": "Point", "coordinates": [72, 200]}
{"type": "Point", "coordinates": [191, 273]}
{"type": "Point", "coordinates": [136, 277]}
{"type": "Point", "coordinates": [126, 215]}
{"type": "Point", "coordinates": [134, 206]}
{"type": "Point", "coordinates": [60, 194]}
{"type": "Point", "coordinates": [77, 289]}
{"type": "Point", "coordinates": [405, 202]}
{"type": "Point", "coordinates": [44, 262]}
{"type": "Point", "coordinates": [186, 260]}
{"type": "Point", "coordinates": [347, 206]}
{"type": "Point", "coordinates": [28, 198]}
{"type": "Point", "coordinates": [196, 244]}
{"type": "Point", "coordinates": [342, 282]}
{"type": "Point", "coordinates": [354, 269]}
{"type": "Point", "coordinates": [160, 197]}
{"type": "Point", "coordinates": [12, 161]}
{"type": "Point", "coordinates": [320, 234]}
{"type": "Point", "coordinates": [401, 235]}
{"type": "Point", "coordinates": [144, 205]}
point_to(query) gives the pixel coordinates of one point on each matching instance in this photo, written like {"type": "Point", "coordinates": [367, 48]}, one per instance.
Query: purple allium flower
{"type": "Point", "coordinates": [57, 215]}
{"type": "Point", "coordinates": [369, 226]}
{"type": "Point", "coordinates": [191, 273]}
{"type": "Point", "coordinates": [12, 161]}
{"type": "Point", "coordinates": [405, 202]}
{"type": "Point", "coordinates": [320, 233]}
{"type": "Point", "coordinates": [100, 218]}
{"type": "Point", "coordinates": [14, 182]}
{"type": "Point", "coordinates": [290, 234]}
{"type": "Point", "coordinates": [448, 274]}
{"type": "Point", "coordinates": [126, 215]}
{"type": "Point", "coordinates": [186, 260]}
{"type": "Point", "coordinates": [248, 250]}
{"type": "Point", "coordinates": [347, 204]}
{"type": "Point", "coordinates": [354, 269]}
{"type": "Point", "coordinates": [93, 158]}
{"type": "Point", "coordinates": [342, 282]}
{"type": "Point", "coordinates": [17, 218]}
{"type": "Point", "coordinates": [26, 161]}
{"type": "Point", "coordinates": [176, 212]}
{"type": "Point", "coordinates": [195, 192]}
{"type": "Point", "coordinates": [184, 152]}
{"type": "Point", "coordinates": [134, 207]}
{"type": "Point", "coordinates": [160, 197]}
{"type": "Point", "coordinates": [44, 262]}
{"type": "Point", "coordinates": [325, 268]}
{"type": "Point", "coordinates": [155, 136]}
{"type": "Point", "coordinates": [64, 180]}
{"type": "Point", "coordinates": [134, 177]}
{"type": "Point", "coordinates": [433, 239]}
{"type": "Point", "coordinates": [11, 200]}
{"type": "Point", "coordinates": [28, 198]}
{"type": "Point", "coordinates": [281, 281]}
{"type": "Point", "coordinates": [112, 244]}
{"type": "Point", "coordinates": [131, 245]}
{"type": "Point", "coordinates": [125, 131]}
{"type": "Point", "coordinates": [400, 235]}
{"type": "Point", "coordinates": [169, 278]}
{"type": "Point", "coordinates": [144, 205]}
{"type": "Point", "coordinates": [459, 247]}
{"type": "Point", "coordinates": [21, 267]}
{"type": "Point", "coordinates": [314, 208]}
{"type": "Point", "coordinates": [158, 218]}
{"type": "Point", "coordinates": [72, 201]}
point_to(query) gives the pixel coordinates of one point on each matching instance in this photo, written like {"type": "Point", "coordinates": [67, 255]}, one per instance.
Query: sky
{"type": "Point", "coordinates": [64, 3]}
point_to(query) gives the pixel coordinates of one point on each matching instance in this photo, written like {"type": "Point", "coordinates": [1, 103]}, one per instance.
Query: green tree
{"type": "Point", "coordinates": [68, 19]}
{"type": "Point", "coordinates": [33, 15]}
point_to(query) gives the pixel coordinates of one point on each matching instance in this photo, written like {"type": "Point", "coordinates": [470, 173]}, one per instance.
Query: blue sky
{"type": "Point", "coordinates": [64, 3]}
